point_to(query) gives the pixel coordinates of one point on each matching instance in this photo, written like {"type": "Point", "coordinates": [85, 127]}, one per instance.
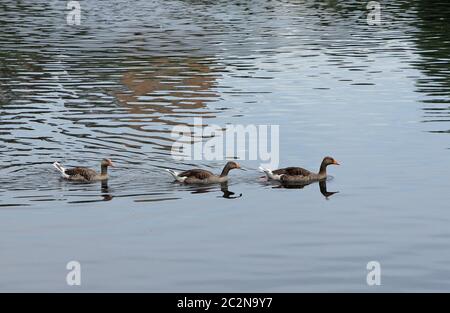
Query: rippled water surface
{"type": "Point", "coordinates": [374, 97]}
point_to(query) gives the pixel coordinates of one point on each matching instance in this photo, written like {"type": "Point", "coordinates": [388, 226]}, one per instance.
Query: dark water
{"type": "Point", "coordinates": [374, 97]}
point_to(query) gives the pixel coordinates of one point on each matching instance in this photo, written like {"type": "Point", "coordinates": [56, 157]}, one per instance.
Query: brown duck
{"type": "Point", "coordinates": [199, 176]}
{"type": "Point", "coordinates": [85, 174]}
{"type": "Point", "coordinates": [298, 174]}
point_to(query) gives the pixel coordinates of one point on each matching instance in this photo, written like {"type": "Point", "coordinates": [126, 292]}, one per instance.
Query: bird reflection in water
{"type": "Point", "coordinates": [322, 188]}
{"type": "Point", "coordinates": [227, 194]}
{"type": "Point", "coordinates": [107, 196]}
{"type": "Point", "coordinates": [105, 193]}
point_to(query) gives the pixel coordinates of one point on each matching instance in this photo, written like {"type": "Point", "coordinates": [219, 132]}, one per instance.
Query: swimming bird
{"type": "Point", "coordinates": [84, 174]}
{"type": "Point", "coordinates": [298, 174]}
{"type": "Point", "coordinates": [199, 176]}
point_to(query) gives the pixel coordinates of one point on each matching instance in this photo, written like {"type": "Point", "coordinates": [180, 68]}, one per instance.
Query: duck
{"type": "Point", "coordinates": [298, 174]}
{"type": "Point", "coordinates": [200, 176]}
{"type": "Point", "coordinates": [84, 174]}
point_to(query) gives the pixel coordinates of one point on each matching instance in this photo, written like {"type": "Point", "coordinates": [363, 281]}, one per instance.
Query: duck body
{"type": "Point", "coordinates": [200, 176]}
{"type": "Point", "coordinates": [299, 175]}
{"type": "Point", "coordinates": [84, 174]}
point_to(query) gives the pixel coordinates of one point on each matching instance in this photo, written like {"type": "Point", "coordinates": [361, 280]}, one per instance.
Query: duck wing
{"type": "Point", "coordinates": [196, 173]}
{"type": "Point", "coordinates": [292, 171]}
{"type": "Point", "coordinates": [81, 172]}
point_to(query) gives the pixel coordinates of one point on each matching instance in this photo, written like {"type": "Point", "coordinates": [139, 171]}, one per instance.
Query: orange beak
{"type": "Point", "coordinates": [238, 165]}
{"type": "Point", "coordinates": [111, 164]}
{"type": "Point", "coordinates": [335, 162]}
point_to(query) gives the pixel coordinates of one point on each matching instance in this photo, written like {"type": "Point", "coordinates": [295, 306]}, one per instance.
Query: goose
{"type": "Point", "coordinates": [199, 176]}
{"type": "Point", "coordinates": [298, 174]}
{"type": "Point", "coordinates": [84, 174]}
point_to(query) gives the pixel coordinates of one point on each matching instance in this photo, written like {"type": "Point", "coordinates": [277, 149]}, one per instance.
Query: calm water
{"type": "Point", "coordinates": [374, 97]}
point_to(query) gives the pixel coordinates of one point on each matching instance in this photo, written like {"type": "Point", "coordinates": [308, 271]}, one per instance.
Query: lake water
{"type": "Point", "coordinates": [374, 97]}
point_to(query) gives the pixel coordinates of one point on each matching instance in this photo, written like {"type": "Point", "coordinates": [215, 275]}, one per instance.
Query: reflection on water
{"type": "Point", "coordinates": [114, 87]}
{"type": "Point", "coordinates": [200, 189]}
{"type": "Point", "coordinates": [227, 194]}
{"type": "Point", "coordinates": [324, 191]}
{"type": "Point", "coordinates": [104, 193]}
{"type": "Point", "coordinates": [322, 187]}
{"type": "Point", "coordinates": [432, 42]}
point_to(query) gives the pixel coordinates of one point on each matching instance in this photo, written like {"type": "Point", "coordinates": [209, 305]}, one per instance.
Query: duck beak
{"type": "Point", "coordinates": [111, 164]}
{"type": "Point", "coordinates": [336, 162]}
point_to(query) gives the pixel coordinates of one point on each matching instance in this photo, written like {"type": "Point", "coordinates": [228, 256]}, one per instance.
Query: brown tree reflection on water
{"type": "Point", "coordinates": [173, 87]}
{"type": "Point", "coordinates": [171, 91]}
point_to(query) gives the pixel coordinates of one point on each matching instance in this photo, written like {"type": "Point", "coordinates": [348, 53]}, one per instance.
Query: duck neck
{"type": "Point", "coordinates": [323, 169]}
{"type": "Point", "coordinates": [225, 171]}
{"type": "Point", "coordinates": [104, 170]}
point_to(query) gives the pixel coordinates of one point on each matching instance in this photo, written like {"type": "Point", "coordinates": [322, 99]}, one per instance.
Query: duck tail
{"type": "Point", "coordinates": [173, 173]}
{"type": "Point", "coordinates": [267, 171]}
{"type": "Point", "coordinates": [61, 169]}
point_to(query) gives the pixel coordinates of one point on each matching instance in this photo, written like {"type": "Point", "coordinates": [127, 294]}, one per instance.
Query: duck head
{"type": "Point", "coordinates": [107, 162]}
{"type": "Point", "coordinates": [229, 166]}
{"type": "Point", "coordinates": [327, 161]}
{"type": "Point", "coordinates": [232, 165]}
